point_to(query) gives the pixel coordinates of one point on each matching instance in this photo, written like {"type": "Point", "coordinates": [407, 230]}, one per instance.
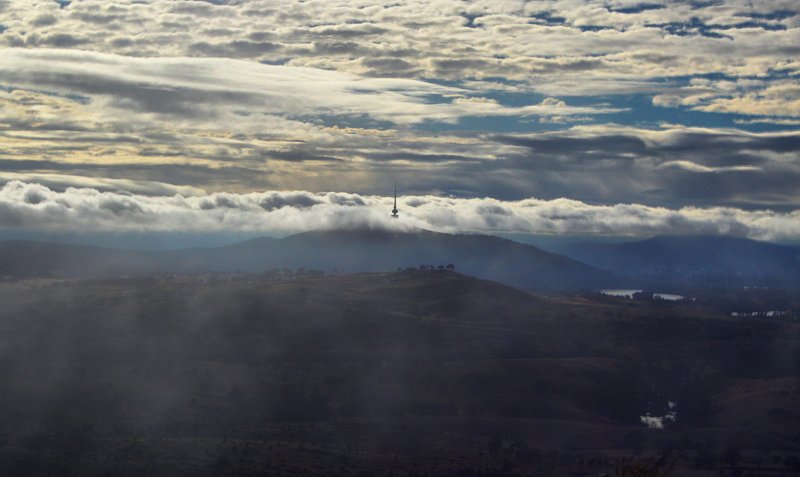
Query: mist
{"type": "Point", "coordinates": [468, 238]}
{"type": "Point", "coordinates": [294, 369]}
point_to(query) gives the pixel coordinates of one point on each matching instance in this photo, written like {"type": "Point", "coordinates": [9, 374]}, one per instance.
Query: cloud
{"type": "Point", "coordinates": [59, 134]}
{"type": "Point", "coordinates": [122, 186]}
{"type": "Point", "coordinates": [778, 98]}
{"type": "Point", "coordinates": [35, 206]}
{"type": "Point", "coordinates": [695, 167]}
{"type": "Point", "coordinates": [775, 100]}
{"type": "Point", "coordinates": [468, 99]}
{"type": "Point", "coordinates": [670, 166]}
{"type": "Point", "coordinates": [202, 89]}
{"type": "Point", "coordinates": [590, 46]}
{"type": "Point", "coordinates": [778, 121]}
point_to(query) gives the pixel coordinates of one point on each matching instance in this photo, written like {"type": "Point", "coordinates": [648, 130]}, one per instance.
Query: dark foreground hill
{"type": "Point", "coordinates": [407, 373]}
{"type": "Point", "coordinates": [494, 258]}
{"type": "Point", "coordinates": [694, 260]}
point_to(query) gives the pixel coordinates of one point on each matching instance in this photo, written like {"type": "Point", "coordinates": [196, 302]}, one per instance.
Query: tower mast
{"type": "Point", "coordinates": [394, 210]}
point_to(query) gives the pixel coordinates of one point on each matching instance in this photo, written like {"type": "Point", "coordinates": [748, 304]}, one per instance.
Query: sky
{"type": "Point", "coordinates": [613, 118]}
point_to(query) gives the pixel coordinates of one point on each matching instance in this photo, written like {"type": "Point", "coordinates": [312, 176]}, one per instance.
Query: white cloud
{"type": "Point", "coordinates": [695, 167]}
{"type": "Point", "coordinates": [778, 121]}
{"type": "Point", "coordinates": [123, 186]}
{"type": "Point", "coordinates": [35, 206]}
{"type": "Point", "coordinates": [777, 98]}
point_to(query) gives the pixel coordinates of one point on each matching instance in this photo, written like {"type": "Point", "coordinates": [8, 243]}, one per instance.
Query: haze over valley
{"type": "Point", "coordinates": [406, 238]}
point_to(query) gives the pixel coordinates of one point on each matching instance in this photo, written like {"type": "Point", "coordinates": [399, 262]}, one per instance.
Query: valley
{"type": "Point", "coordinates": [405, 373]}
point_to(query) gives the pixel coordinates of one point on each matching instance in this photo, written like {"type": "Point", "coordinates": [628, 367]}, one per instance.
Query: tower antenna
{"type": "Point", "coordinates": [394, 210]}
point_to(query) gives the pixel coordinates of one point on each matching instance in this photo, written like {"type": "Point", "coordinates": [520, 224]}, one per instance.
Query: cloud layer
{"type": "Point", "coordinates": [660, 105]}
{"type": "Point", "coordinates": [34, 206]}
{"type": "Point", "coordinates": [232, 125]}
{"type": "Point", "coordinates": [556, 47]}
{"type": "Point", "coordinates": [204, 90]}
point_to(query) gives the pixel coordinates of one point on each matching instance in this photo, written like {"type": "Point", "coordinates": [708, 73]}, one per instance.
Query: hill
{"type": "Point", "coordinates": [405, 373]}
{"type": "Point", "coordinates": [494, 258]}
{"type": "Point", "coordinates": [485, 256]}
{"type": "Point", "coordinates": [694, 260]}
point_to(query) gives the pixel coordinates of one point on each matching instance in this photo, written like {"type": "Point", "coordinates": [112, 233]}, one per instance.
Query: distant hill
{"type": "Point", "coordinates": [485, 256]}
{"type": "Point", "coordinates": [355, 250]}
{"type": "Point", "coordinates": [695, 258]}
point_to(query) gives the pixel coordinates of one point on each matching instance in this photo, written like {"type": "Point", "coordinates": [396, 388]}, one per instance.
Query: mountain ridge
{"type": "Point", "coordinates": [692, 258]}
{"type": "Point", "coordinates": [349, 250]}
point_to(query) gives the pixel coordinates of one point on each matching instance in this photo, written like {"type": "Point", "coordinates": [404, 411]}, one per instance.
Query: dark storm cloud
{"type": "Point", "coordinates": [670, 166]}
{"type": "Point", "coordinates": [608, 145]}
{"type": "Point", "coordinates": [736, 187]}
{"type": "Point", "coordinates": [708, 146]}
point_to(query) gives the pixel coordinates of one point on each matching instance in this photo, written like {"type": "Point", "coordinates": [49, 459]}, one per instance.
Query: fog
{"type": "Point", "coordinates": [415, 371]}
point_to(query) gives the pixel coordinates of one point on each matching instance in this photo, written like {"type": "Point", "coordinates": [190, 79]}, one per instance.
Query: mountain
{"type": "Point", "coordinates": [693, 259]}
{"type": "Point", "coordinates": [352, 250]}
{"type": "Point", "coordinates": [485, 256]}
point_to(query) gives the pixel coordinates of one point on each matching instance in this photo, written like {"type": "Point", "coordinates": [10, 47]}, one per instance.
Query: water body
{"type": "Point", "coordinates": [668, 297]}
{"type": "Point", "coordinates": [761, 314]}
{"type": "Point", "coordinates": [620, 292]}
